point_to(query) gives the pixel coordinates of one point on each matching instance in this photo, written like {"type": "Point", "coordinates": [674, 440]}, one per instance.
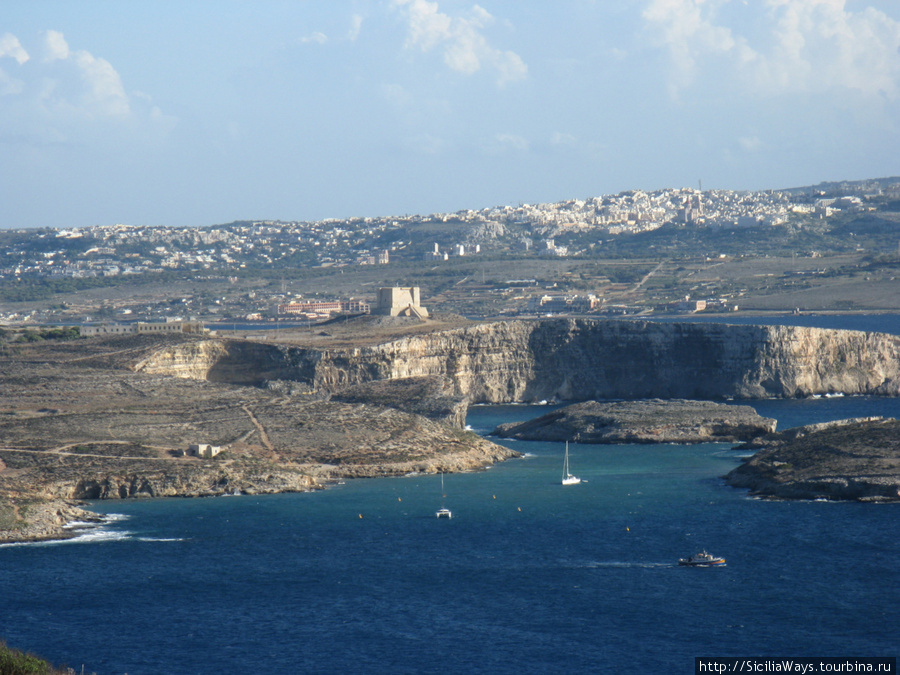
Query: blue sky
{"type": "Point", "coordinates": [157, 112]}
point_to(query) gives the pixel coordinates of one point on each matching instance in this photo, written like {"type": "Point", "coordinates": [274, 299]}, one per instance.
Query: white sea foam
{"type": "Point", "coordinates": [85, 532]}
{"type": "Point", "coordinates": [91, 536]}
{"type": "Point", "coordinates": [76, 524]}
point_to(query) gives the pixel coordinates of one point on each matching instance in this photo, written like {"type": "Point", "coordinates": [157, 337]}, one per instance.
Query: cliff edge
{"type": "Point", "coordinates": [569, 360]}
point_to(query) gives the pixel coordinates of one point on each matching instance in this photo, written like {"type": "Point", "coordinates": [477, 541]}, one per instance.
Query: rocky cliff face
{"type": "Point", "coordinates": [572, 359]}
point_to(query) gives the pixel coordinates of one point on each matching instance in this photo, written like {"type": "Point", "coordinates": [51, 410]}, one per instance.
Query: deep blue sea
{"type": "Point", "coordinates": [527, 577]}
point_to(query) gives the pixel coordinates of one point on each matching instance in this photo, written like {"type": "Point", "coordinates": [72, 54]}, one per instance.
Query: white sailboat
{"type": "Point", "coordinates": [567, 478]}
{"type": "Point", "coordinates": [443, 512]}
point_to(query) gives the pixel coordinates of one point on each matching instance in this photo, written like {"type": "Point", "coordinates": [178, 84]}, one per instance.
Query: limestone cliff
{"type": "Point", "coordinates": [572, 359]}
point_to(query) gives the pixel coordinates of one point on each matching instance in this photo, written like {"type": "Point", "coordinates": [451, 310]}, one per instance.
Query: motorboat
{"type": "Point", "coordinates": [702, 559]}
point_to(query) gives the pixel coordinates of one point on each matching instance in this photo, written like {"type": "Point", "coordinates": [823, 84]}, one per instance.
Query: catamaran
{"type": "Point", "coordinates": [567, 478]}
{"type": "Point", "coordinates": [443, 512]}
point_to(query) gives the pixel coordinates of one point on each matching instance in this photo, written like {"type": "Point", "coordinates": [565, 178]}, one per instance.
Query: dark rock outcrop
{"type": "Point", "coordinates": [650, 421]}
{"type": "Point", "coordinates": [847, 460]}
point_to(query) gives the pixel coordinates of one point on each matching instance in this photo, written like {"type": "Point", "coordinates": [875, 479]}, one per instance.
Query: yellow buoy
{"type": "Point", "coordinates": [360, 515]}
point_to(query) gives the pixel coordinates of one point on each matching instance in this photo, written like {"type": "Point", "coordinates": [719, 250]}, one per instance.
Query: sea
{"type": "Point", "coordinates": [528, 576]}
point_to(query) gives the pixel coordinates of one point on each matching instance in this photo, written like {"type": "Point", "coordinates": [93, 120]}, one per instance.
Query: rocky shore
{"type": "Point", "coordinates": [40, 520]}
{"type": "Point", "coordinates": [857, 459]}
{"type": "Point", "coordinates": [77, 422]}
{"type": "Point", "coordinates": [650, 421]}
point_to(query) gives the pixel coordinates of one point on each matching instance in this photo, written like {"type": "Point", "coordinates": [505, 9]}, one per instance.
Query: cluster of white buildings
{"type": "Point", "coordinates": [126, 249]}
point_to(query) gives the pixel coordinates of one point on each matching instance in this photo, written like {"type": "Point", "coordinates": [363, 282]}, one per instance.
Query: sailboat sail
{"type": "Point", "coordinates": [568, 478]}
{"type": "Point", "coordinates": [443, 512]}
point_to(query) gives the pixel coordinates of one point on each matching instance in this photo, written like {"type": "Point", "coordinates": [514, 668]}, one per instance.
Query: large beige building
{"type": "Point", "coordinates": [400, 301]}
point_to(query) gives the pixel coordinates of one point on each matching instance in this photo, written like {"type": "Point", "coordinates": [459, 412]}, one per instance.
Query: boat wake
{"type": "Point", "coordinates": [626, 564]}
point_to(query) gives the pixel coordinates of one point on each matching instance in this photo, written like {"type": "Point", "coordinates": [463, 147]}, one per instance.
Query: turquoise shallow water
{"type": "Point", "coordinates": [528, 576]}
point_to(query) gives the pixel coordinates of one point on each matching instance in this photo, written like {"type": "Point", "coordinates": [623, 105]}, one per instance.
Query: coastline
{"type": "Point", "coordinates": [46, 521]}
{"type": "Point", "coordinates": [36, 519]}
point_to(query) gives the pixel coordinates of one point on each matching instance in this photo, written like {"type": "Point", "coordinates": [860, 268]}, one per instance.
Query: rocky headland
{"type": "Point", "coordinates": [650, 421]}
{"type": "Point", "coordinates": [857, 459]}
{"type": "Point", "coordinates": [77, 422]}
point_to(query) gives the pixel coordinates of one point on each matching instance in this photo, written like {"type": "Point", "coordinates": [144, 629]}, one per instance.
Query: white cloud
{"type": "Point", "coordinates": [356, 22]}
{"type": "Point", "coordinates": [804, 45]}
{"type": "Point", "coordinates": [69, 94]}
{"type": "Point", "coordinates": [750, 143]}
{"type": "Point", "coordinates": [397, 95]}
{"type": "Point", "coordinates": [104, 92]}
{"type": "Point", "coordinates": [426, 144]}
{"type": "Point", "coordinates": [79, 82]}
{"type": "Point", "coordinates": [687, 29]}
{"type": "Point", "coordinates": [465, 49]}
{"type": "Point", "coordinates": [562, 138]}
{"type": "Point", "coordinates": [10, 46]}
{"type": "Point", "coordinates": [821, 45]}
{"type": "Point", "coordinates": [55, 46]}
{"type": "Point", "coordinates": [510, 142]}
{"type": "Point", "coordinates": [317, 37]}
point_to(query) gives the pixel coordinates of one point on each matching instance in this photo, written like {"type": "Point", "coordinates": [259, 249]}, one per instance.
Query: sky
{"type": "Point", "coordinates": [202, 112]}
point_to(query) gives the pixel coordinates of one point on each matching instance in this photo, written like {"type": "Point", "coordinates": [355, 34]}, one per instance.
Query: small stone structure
{"type": "Point", "coordinates": [204, 450]}
{"type": "Point", "coordinates": [400, 301]}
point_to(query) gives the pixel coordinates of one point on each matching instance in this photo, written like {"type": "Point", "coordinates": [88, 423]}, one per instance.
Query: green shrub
{"type": "Point", "coordinates": [14, 662]}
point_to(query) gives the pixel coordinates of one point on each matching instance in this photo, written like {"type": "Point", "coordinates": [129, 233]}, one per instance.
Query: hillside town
{"type": "Point", "coordinates": [109, 250]}
{"type": "Point", "coordinates": [567, 230]}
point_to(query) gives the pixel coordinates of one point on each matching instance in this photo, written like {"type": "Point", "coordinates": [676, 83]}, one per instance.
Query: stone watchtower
{"type": "Point", "coordinates": [400, 301]}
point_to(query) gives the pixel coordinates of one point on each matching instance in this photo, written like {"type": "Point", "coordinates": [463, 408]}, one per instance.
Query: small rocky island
{"type": "Point", "coordinates": [857, 459]}
{"type": "Point", "coordinates": [649, 421]}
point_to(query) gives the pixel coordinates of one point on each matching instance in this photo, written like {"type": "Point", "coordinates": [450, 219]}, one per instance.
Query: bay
{"type": "Point", "coordinates": [527, 577]}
